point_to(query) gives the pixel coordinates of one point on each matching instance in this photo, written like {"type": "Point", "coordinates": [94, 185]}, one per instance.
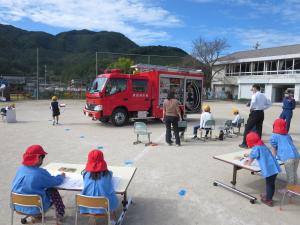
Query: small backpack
{"type": "Point", "coordinates": [221, 135]}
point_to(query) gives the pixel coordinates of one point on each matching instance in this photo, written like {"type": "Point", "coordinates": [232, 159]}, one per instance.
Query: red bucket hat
{"type": "Point", "coordinates": [32, 155]}
{"type": "Point", "coordinates": [253, 139]}
{"type": "Point", "coordinates": [279, 126]}
{"type": "Point", "coordinates": [96, 162]}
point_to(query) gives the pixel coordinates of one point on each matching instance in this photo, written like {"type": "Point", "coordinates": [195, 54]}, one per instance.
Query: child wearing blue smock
{"type": "Point", "coordinates": [267, 162]}
{"type": "Point", "coordinates": [31, 179]}
{"type": "Point", "coordinates": [288, 105]}
{"type": "Point", "coordinates": [284, 148]}
{"type": "Point", "coordinates": [98, 182]}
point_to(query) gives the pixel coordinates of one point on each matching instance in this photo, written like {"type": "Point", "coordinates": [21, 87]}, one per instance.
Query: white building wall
{"type": "Point", "coordinates": [297, 92]}
{"type": "Point", "coordinates": [245, 91]}
{"type": "Point", "coordinates": [268, 91]}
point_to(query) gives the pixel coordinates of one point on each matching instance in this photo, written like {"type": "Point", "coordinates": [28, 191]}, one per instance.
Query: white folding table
{"type": "Point", "coordinates": [234, 159]}
{"type": "Point", "coordinates": [125, 175]}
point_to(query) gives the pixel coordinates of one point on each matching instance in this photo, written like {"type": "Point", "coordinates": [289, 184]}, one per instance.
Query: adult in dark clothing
{"type": "Point", "coordinates": [288, 105]}
{"type": "Point", "coordinates": [258, 104]}
{"type": "Point", "coordinates": [55, 109]}
{"type": "Point", "coordinates": [171, 115]}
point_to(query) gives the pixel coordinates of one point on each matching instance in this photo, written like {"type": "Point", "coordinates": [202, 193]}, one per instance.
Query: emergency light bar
{"type": "Point", "coordinates": [147, 67]}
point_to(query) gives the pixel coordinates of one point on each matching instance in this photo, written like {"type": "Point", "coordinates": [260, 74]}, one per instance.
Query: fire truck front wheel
{"type": "Point", "coordinates": [119, 117]}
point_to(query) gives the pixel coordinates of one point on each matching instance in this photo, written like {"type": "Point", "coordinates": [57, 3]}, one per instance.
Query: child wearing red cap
{"type": "Point", "coordinates": [284, 148]}
{"type": "Point", "coordinates": [267, 162]}
{"type": "Point", "coordinates": [31, 179]}
{"type": "Point", "coordinates": [98, 182]}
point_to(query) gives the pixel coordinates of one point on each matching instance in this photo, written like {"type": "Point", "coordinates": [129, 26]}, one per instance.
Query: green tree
{"type": "Point", "coordinates": [123, 64]}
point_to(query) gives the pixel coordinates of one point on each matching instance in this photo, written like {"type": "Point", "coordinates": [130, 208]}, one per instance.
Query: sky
{"type": "Point", "coordinates": [176, 23]}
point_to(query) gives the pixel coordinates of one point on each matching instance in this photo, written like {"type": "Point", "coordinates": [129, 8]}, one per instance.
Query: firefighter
{"type": "Point", "coordinates": [288, 105]}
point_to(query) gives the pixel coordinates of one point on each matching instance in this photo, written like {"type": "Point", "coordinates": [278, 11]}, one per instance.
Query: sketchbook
{"type": "Point", "coordinates": [74, 181]}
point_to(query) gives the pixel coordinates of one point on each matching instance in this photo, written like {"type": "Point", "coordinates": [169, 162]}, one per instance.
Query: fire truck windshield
{"type": "Point", "coordinates": [98, 84]}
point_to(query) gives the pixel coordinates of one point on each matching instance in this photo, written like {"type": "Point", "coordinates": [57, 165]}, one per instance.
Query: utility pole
{"type": "Point", "coordinates": [37, 73]}
{"type": "Point", "coordinates": [45, 74]}
{"type": "Point", "coordinates": [96, 64]}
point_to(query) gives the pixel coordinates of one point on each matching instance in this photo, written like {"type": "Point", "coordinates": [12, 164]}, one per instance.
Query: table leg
{"type": "Point", "coordinates": [126, 203]}
{"type": "Point", "coordinates": [234, 174]}
{"type": "Point", "coordinates": [233, 188]}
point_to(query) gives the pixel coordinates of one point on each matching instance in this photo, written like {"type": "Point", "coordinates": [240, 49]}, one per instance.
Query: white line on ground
{"type": "Point", "coordinates": [145, 150]}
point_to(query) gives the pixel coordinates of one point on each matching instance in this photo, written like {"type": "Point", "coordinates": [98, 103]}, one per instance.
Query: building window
{"type": "Point", "coordinates": [288, 64]}
{"type": "Point", "coordinates": [260, 68]}
{"type": "Point", "coordinates": [254, 68]}
{"type": "Point", "coordinates": [237, 70]}
{"type": "Point", "coordinates": [271, 66]}
{"type": "Point", "coordinates": [281, 65]}
{"type": "Point", "coordinates": [297, 65]}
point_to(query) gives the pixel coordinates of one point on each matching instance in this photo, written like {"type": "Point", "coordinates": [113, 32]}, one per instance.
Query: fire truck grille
{"type": "Point", "coordinates": [90, 106]}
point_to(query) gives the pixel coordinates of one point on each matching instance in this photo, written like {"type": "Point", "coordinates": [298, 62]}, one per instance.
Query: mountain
{"type": "Point", "coordinates": [72, 54]}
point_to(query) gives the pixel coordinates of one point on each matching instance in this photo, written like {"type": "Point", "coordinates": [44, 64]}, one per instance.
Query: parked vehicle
{"type": "Point", "coordinates": [118, 97]}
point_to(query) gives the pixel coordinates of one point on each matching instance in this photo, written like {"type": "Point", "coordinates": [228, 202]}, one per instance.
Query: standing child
{"type": "Point", "coordinates": [267, 162]}
{"type": "Point", "coordinates": [98, 182]}
{"type": "Point", "coordinates": [284, 148]}
{"type": "Point", "coordinates": [31, 179]}
{"type": "Point", "coordinates": [55, 109]}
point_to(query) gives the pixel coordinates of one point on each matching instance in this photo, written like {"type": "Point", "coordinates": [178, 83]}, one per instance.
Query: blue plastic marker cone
{"type": "Point", "coordinates": [182, 192]}
{"type": "Point", "coordinates": [128, 162]}
{"type": "Point", "coordinates": [67, 129]}
{"type": "Point", "coordinates": [81, 136]}
{"type": "Point", "coordinates": [100, 147]}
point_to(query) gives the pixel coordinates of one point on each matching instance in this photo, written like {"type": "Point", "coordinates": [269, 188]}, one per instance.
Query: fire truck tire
{"type": "Point", "coordinates": [119, 117]}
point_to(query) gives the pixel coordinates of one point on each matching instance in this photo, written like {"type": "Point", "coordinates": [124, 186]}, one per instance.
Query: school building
{"type": "Point", "coordinates": [275, 69]}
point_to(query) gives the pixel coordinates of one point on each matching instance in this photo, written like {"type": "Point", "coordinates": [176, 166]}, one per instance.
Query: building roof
{"type": "Point", "coordinates": [264, 53]}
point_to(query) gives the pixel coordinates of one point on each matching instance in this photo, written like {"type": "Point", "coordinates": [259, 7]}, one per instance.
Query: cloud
{"type": "Point", "coordinates": [247, 38]}
{"type": "Point", "coordinates": [140, 20]}
{"type": "Point", "coordinates": [266, 38]}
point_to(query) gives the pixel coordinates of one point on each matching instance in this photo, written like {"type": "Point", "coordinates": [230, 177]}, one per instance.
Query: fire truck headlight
{"type": "Point", "coordinates": [98, 108]}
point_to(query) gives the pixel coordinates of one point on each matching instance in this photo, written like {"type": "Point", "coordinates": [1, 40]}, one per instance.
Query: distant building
{"type": "Point", "coordinates": [275, 69]}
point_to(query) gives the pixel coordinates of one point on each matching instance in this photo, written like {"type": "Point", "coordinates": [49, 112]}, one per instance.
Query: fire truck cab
{"type": "Point", "coordinates": [118, 97]}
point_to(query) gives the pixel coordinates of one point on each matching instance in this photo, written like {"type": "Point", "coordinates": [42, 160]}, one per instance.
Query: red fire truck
{"type": "Point", "coordinates": [119, 97]}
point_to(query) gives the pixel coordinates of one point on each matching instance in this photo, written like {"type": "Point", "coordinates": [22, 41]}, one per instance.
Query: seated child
{"type": "Point", "coordinates": [54, 106]}
{"type": "Point", "coordinates": [237, 117]}
{"type": "Point", "coordinates": [284, 148]}
{"type": "Point", "coordinates": [267, 162]}
{"type": "Point", "coordinates": [4, 110]}
{"type": "Point", "coordinates": [205, 116]}
{"type": "Point", "coordinates": [31, 179]}
{"type": "Point", "coordinates": [98, 182]}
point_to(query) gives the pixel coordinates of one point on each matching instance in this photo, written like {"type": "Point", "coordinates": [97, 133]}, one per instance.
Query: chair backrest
{"type": "Point", "coordinates": [182, 124]}
{"type": "Point", "coordinates": [294, 189]}
{"type": "Point", "coordinates": [95, 202]}
{"type": "Point", "coordinates": [26, 200]}
{"type": "Point", "coordinates": [228, 123]}
{"type": "Point", "coordinates": [140, 127]}
{"type": "Point", "coordinates": [210, 123]}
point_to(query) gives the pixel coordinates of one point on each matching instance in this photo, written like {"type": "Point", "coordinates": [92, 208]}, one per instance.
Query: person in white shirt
{"type": "Point", "coordinates": [258, 104]}
{"type": "Point", "coordinates": [205, 116]}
